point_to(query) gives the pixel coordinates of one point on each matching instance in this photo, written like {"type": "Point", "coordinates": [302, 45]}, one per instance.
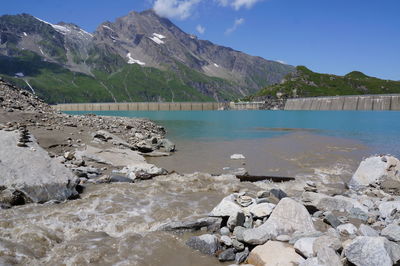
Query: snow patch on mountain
{"type": "Point", "coordinates": [134, 61]}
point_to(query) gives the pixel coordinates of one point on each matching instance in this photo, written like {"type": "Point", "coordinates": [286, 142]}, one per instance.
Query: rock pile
{"type": "Point", "coordinates": [359, 227]}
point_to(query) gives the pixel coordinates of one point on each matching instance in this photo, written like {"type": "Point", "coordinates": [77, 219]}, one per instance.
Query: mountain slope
{"type": "Point", "coordinates": [306, 83]}
{"type": "Point", "coordinates": [139, 57]}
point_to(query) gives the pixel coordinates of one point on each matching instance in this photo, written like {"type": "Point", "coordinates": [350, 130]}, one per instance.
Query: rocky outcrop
{"type": "Point", "coordinates": [28, 174]}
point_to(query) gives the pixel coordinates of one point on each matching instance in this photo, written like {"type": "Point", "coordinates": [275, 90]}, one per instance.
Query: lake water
{"type": "Point", "coordinates": [273, 140]}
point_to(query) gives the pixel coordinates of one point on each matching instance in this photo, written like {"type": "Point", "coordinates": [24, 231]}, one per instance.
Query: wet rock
{"type": "Point", "coordinates": [371, 251]}
{"type": "Point", "coordinates": [236, 219]}
{"type": "Point", "coordinates": [287, 217]}
{"type": "Point", "coordinates": [261, 210]}
{"type": "Point", "coordinates": [377, 170]}
{"type": "Point", "coordinates": [366, 230]}
{"type": "Point", "coordinates": [392, 232]}
{"type": "Point", "coordinates": [242, 256]}
{"type": "Point", "coordinates": [347, 229]}
{"type": "Point", "coordinates": [227, 255]}
{"type": "Point", "coordinates": [274, 253]}
{"type": "Point", "coordinates": [118, 178]}
{"type": "Point", "coordinates": [227, 207]}
{"type": "Point", "coordinates": [143, 171]}
{"type": "Point", "coordinates": [304, 246]}
{"type": "Point", "coordinates": [191, 225]}
{"type": "Point", "coordinates": [167, 145]}
{"type": "Point", "coordinates": [207, 244]}
{"type": "Point", "coordinates": [83, 171]}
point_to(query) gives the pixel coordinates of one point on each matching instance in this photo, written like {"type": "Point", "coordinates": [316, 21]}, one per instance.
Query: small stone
{"type": "Point", "coordinates": [347, 229]}
{"type": "Point", "coordinates": [332, 220]}
{"type": "Point", "coordinates": [366, 230]}
{"type": "Point", "coordinates": [207, 244]}
{"type": "Point", "coordinates": [237, 156]}
{"type": "Point", "coordinates": [241, 256]}
{"type": "Point", "coordinates": [304, 246]}
{"type": "Point", "coordinates": [391, 232]}
{"type": "Point", "coordinates": [224, 231]}
{"type": "Point", "coordinates": [226, 240]}
{"type": "Point", "coordinates": [236, 219]}
{"type": "Point", "coordinates": [227, 255]}
{"type": "Point", "coordinates": [283, 238]}
{"type": "Point", "coordinates": [239, 246]}
{"type": "Point", "coordinates": [238, 233]}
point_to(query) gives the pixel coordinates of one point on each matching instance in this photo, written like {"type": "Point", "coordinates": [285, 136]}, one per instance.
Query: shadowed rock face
{"type": "Point", "coordinates": [144, 39]}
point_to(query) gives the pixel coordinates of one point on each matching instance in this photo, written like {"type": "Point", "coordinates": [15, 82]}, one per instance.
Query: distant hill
{"type": "Point", "coordinates": [138, 57]}
{"type": "Point", "coordinates": [306, 83]}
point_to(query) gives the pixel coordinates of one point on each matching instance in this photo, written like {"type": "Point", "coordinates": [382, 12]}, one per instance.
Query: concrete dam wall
{"type": "Point", "coordinates": [140, 106]}
{"type": "Point", "coordinates": [356, 102]}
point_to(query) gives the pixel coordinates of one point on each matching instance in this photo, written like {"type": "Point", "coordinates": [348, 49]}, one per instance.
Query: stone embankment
{"type": "Point", "coordinates": [49, 156]}
{"type": "Point", "coordinates": [359, 226]}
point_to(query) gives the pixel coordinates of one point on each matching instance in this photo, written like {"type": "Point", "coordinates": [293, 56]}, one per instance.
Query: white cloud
{"type": "Point", "coordinates": [200, 29]}
{"type": "Point", "coordinates": [238, 4]}
{"type": "Point", "coordinates": [235, 25]}
{"type": "Point", "coordinates": [180, 9]}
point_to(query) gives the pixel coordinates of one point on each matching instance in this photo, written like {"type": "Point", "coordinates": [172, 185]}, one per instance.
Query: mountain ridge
{"type": "Point", "coordinates": [195, 69]}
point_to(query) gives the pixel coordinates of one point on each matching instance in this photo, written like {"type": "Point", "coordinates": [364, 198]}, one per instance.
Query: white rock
{"type": "Point", "coordinates": [366, 230]}
{"type": "Point", "coordinates": [391, 232]}
{"type": "Point", "coordinates": [305, 246]}
{"type": "Point", "coordinates": [274, 253]}
{"type": "Point", "coordinates": [237, 156]}
{"type": "Point", "coordinates": [388, 207]}
{"type": "Point", "coordinates": [260, 210]}
{"type": "Point", "coordinates": [227, 207]}
{"type": "Point", "coordinates": [347, 229]}
{"type": "Point", "coordinates": [376, 169]}
{"type": "Point", "coordinates": [372, 251]}
{"type": "Point", "coordinates": [287, 217]}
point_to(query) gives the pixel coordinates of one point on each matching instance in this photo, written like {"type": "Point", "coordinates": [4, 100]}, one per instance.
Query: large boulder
{"type": "Point", "coordinates": [384, 170]}
{"type": "Point", "coordinates": [28, 174]}
{"type": "Point", "coordinates": [372, 251]}
{"type": "Point", "coordinates": [274, 253]}
{"type": "Point", "coordinates": [287, 217]}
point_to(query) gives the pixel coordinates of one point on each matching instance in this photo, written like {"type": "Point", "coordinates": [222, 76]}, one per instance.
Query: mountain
{"type": "Point", "coordinates": [306, 83]}
{"type": "Point", "coordinates": [139, 57]}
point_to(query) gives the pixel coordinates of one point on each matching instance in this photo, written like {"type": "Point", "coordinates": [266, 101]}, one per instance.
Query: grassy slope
{"type": "Point", "coordinates": [308, 84]}
{"type": "Point", "coordinates": [55, 84]}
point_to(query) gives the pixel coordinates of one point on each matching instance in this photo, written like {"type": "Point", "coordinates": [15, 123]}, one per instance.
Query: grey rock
{"type": "Point", "coordinates": [143, 171]}
{"type": "Point", "coordinates": [330, 241]}
{"type": "Point", "coordinates": [207, 244]}
{"type": "Point", "coordinates": [298, 235]}
{"type": "Point", "coordinates": [239, 246]}
{"type": "Point", "coordinates": [167, 145]}
{"type": "Point", "coordinates": [328, 257]}
{"type": "Point", "coordinates": [287, 217]}
{"type": "Point", "coordinates": [389, 209]}
{"type": "Point", "coordinates": [261, 210]}
{"type": "Point", "coordinates": [283, 238]}
{"type": "Point", "coordinates": [236, 219]}
{"type": "Point", "coordinates": [34, 175]}
{"type": "Point", "coordinates": [227, 255]}
{"type": "Point", "coordinates": [242, 256]}
{"type": "Point", "coordinates": [372, 251]}
{"type": "Point", "coordinates": [332, 220]}
{"type": "Point", "coordinates": [191, 225]}
{"type": "Point", "coordinates": [366, 230]}
{"type": "Point", "coordinates": [226, 240]}
{"type": "Point", "coordinates": [392, 232]}
{"type": "Point", "coordinates": [275, 195]}
{"type": "Point", "coordinates": [118, 178]}
{"type": "Point", "coordinates": [224, 231]}
{"type": "Point", "coordinates": [347, 229]}
{"type": "Point", "coordinates": [238, 233]}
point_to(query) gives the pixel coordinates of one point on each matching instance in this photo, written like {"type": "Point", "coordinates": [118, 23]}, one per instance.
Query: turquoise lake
{"type": "Point", "coordinates": [379, 130]}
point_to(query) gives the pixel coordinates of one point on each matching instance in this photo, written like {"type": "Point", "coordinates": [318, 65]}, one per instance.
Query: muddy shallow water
{"type": "Point", "coordinates": [114, 224]}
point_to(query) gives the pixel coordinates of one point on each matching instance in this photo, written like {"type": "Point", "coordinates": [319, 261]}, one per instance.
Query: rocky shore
{"type": "Point", "coordinates": [49, 157]}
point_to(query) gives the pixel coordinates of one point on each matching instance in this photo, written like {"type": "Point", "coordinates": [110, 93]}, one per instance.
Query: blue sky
{"type": "Point", "coordinates": [335, 36]}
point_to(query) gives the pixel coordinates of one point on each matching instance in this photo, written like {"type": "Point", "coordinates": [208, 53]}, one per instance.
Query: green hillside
{"type": "Point", "coordinates": [56, 84]}
{"type": "Point", "coordinates": [306, 83]}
